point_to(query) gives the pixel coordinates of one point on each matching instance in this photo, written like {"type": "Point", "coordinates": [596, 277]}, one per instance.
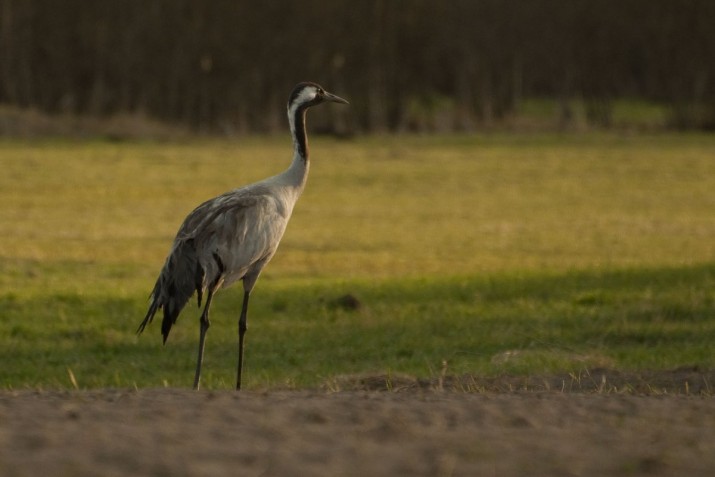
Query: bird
{"type": "Point", "coordinates": [233, 236]}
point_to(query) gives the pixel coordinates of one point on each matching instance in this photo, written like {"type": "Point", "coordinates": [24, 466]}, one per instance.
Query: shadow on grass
{"type": "Point", "coordinates": [523, 326]}
{"type": "Point", "coordinates": [681, 381]}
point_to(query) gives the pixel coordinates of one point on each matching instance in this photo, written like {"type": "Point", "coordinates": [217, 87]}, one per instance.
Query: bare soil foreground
{"type": "Point", "coordinates": [509, 428]}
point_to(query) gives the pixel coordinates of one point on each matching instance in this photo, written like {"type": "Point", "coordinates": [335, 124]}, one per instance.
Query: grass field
{"type": "Point", "coordinates": [495, 254]}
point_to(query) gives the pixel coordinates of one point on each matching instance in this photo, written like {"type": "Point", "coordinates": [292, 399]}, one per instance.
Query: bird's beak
{"type": "Point", "coordinates": [335, 99]}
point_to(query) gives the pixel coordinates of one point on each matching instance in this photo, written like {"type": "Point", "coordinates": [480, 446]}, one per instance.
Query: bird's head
{"type": "Point", "coordinates": [309, 94]}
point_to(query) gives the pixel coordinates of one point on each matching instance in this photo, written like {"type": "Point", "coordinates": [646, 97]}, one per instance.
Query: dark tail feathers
{"type": "Point", "coordinates": [181, 275]}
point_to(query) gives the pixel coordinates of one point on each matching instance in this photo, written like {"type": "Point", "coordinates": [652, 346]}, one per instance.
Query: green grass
{"type": "Point", "coordinates": [501, 254]}
{"type": "Point", "coordinates": [624, 114]}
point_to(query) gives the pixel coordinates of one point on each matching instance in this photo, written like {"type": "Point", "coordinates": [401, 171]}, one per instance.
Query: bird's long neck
{"type": "Point", "coordinates": [297, 173]}
{"type": "Point", "coordinates": [296, 119]}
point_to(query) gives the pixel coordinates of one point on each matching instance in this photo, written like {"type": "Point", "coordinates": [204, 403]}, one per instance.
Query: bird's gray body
{"type": "Point", "coordinates": [228, 238]}
{"type": "Point", "coordinates": [233, 236]}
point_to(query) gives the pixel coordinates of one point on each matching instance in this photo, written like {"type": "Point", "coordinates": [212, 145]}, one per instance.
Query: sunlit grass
{"type": "Point", "coordinates": [496, 254]}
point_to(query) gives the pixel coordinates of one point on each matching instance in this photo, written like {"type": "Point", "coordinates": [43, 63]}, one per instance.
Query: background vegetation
{"type": "Point", "coordinates": [415, 65]}
{"type": "Point", "coordinates": [518, 254]}
{"type": "Point", "coordinates": [577, 232]}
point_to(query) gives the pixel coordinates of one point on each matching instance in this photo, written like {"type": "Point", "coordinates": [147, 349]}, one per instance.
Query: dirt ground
{"type": "Point", "coordinates": [503, 427]}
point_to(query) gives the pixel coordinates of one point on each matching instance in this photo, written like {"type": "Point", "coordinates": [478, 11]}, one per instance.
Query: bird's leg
{"type": "Point", "coordinates": [204, 324]}
{"type": "Point", "coordinates": [241, 333]}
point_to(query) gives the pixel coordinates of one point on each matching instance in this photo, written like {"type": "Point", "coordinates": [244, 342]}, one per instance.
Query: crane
{"type": "Point", "coordinates": [233, 236]}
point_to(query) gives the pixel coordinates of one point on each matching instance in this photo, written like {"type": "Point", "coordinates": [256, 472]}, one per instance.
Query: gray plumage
{"type": "Point", "coordinates": [233, 236]}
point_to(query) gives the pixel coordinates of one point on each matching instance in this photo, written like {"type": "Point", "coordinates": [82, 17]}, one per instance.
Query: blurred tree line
{"type": "Point", "coordinates": [404, 64]}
